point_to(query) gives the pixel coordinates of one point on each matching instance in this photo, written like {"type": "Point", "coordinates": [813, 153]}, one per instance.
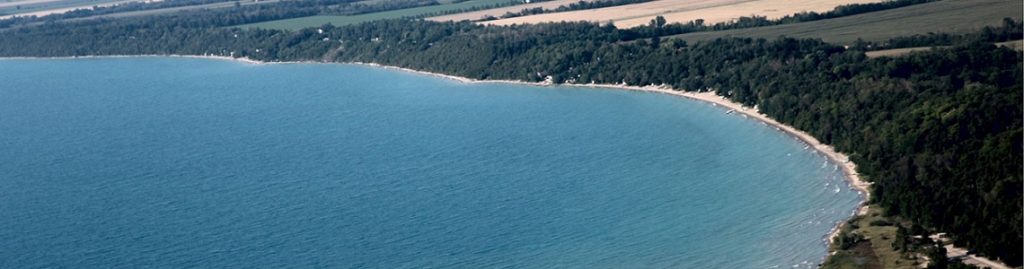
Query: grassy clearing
{"type": "Point", "coordinates": [950, 16]}
{"type": "Point", "coordinates": [895, 52]}
{"type": "Point", "coordinates": [861, 256]}
{"type": "Point", "coordinates": [1017, 45]}
{"type": "Point", "coordinates": [313, 21]}
{"type": "Point", "coordinates": [876, 251]}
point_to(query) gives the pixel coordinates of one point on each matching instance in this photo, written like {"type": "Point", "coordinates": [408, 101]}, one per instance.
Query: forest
{"type": "Point", "coordinates": [939, 133]}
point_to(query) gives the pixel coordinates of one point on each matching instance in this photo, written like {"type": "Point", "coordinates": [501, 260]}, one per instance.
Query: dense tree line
{"type": "Point", "coordinates": [938, 132]}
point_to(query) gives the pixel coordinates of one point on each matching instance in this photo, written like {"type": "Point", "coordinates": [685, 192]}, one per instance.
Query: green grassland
{"type": "Point", "coordinates": [950, 16]}
{"type": "Point", "coordinates": [876, 251]}
{"type": "Point", "coordinates": [1016, 44]}
{"type": "Point", "coordinates": [312, 21]}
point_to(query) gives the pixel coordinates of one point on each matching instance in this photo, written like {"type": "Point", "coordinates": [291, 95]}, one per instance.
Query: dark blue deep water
{"type": "Point", "coordinates": [174, 162]}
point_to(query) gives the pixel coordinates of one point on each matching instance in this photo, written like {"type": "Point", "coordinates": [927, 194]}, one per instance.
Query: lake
{"type": "Point", "coordinates": [181, 162]}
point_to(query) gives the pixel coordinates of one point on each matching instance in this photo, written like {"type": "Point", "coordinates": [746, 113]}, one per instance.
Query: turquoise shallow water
{"type": "Point", "coordinates": [173, 162]}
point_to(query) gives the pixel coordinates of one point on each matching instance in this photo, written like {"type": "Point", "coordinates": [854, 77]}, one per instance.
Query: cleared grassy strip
{"type": "Point", "coordinates": [894, 52]}
{"type": "Point", "coordinates": [948, 16]}
{"type": "Point", "coordinates": [312, 21]}
{"type": "Point", "coordinates": [1017, 45]}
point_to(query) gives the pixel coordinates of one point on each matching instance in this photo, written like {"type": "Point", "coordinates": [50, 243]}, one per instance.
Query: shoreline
{"type": "Point", "coordinates": [836, 158]}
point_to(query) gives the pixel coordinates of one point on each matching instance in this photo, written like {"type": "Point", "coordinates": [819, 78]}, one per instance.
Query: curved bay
{"type": "Point", "coordinates": [172, 162]}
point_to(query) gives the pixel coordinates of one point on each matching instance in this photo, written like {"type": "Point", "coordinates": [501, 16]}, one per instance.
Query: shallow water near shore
{"type": "Point", "coordinates": [179, 162]}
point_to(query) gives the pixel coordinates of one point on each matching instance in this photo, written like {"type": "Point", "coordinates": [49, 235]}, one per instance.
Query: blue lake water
{"type": "Point", "coordinates": [175, 162]}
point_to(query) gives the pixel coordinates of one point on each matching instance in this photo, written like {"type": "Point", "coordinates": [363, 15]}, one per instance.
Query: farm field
{"type": "Point", "coordinates": [24, 3]}
{"type": "Point", "coordinates": [711, 11]}
{"type": "Point", "coordinates": [167, 10]}
{"type": "Point", "coordinates": [497, 12]}
{"type": "Point", "coordinates": [312, 21]}
{"type": "Point", "coordinates": [28, 6]}
{"type": "Point", "coordinates": [938, 17]}
{"type": "Point", "coordinates": [46, 7]}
